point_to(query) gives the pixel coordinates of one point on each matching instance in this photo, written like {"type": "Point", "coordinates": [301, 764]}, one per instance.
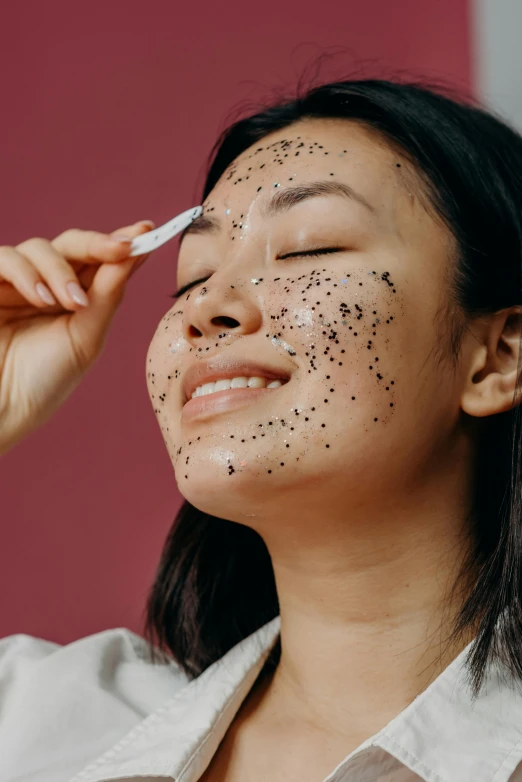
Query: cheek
{"type": "Point", "coordinates": [164, 362]}
{"type": "Point", "coordinates": [340, 332]}
{"type": "Point", "coordinates": [341, 327]}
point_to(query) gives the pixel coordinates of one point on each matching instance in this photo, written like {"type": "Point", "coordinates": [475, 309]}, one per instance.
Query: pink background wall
{"type": "Point", "coordinates": [109, 111]}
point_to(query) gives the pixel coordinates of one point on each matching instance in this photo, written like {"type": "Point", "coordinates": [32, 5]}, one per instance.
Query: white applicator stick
{"type": "Point", "coordinates": [150, 241]}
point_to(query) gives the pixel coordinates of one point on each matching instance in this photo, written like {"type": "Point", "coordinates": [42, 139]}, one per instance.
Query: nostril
{"type": "Point", "coordinates": [229, 323]}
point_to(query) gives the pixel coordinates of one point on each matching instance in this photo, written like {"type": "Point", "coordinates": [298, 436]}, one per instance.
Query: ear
{"type": "Point", "coordinates": [493, 348]}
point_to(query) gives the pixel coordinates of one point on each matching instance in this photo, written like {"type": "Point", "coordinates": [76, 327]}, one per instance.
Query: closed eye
{"type": "Point", "coordinates": [310, 253]}
{"type": "Point", "coordinates": [187, 287]}
{"type": "Point", "coordinates": [301, 253]}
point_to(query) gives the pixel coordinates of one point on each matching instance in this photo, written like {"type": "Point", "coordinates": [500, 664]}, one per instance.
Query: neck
{"type": "Point", "coordinates": [366, 607]}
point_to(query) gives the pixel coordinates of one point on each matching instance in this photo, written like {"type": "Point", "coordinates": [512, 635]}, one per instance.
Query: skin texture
{"type": "Point", "coordinates": [357, 473]}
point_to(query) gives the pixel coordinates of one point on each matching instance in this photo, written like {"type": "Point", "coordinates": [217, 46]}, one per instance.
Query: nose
{"type": "Point", "coordinates": [221, 306]}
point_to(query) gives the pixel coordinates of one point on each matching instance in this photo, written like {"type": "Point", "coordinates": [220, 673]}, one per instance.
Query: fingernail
{"type": "Point", "coordinates": [150, 223]}
{"type": "Point", "coordinates": [44, 293]}
{"type": "Point", "coordinates": [77, 294]}
{"type": "Point", "coordinates": [120, 238]}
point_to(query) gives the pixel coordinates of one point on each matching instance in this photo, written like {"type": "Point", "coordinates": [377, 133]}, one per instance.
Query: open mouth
{"type": "Point", "coordinates": [236, 382]}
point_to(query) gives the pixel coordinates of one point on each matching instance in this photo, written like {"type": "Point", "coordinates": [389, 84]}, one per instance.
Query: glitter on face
{"type": "Point", "coordinates": [304, 317]}
{"type": "Point", "coordinates": [299, 298]}
{"type": "Point", "coordinates": [285, 345]}
{"type": "Point", "coordinates": [176, 346]}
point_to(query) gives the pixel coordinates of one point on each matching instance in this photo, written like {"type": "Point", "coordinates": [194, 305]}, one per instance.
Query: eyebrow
{"type": "Point", "coordinates": [284, 200]}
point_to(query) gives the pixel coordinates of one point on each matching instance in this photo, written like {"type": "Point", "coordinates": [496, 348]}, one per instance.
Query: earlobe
{"type": "Point", "coordinates": [493, 369]}
{"type": "Point", "coordinates": [494, 394]}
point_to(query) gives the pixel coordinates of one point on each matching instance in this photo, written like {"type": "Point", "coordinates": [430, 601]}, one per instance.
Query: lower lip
{"type": "Point", "coordinates": [222, 401]}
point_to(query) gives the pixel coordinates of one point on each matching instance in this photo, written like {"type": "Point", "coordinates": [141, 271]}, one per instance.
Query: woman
{"type": "Point", "coordinates": [339, 597]}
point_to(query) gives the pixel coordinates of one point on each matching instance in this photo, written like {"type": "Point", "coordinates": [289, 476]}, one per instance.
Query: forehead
{"type": "Point", "coordinates": [313, 148]}
{"type": "Point", "coordinates": [324, 150]}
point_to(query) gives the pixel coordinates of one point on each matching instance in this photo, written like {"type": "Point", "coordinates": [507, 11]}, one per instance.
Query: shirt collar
{"type": "Point", "coordinates": [442, 736]}
{"type": "Point", "coordinates": [443, 729]}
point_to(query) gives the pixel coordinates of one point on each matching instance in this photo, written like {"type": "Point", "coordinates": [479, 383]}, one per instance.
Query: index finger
{"type": "Point", "coordinates": [93, 246]}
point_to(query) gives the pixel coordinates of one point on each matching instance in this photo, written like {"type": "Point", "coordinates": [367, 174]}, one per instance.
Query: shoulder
{"type": "Point", "coordinates": [89, 692]}
{"type": "Point", "coordinates": [117, 658]}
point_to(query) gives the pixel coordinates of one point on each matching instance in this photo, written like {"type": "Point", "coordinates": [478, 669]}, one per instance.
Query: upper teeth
{"type": "Point", "coordinates": [235, 382]}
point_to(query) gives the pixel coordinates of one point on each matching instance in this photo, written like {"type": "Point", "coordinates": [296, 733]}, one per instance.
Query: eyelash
{"type": "Point", "coordinates": [307, 253]}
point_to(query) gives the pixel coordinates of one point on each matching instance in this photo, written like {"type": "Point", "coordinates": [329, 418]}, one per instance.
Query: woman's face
{"type": "Point", "coordinates": [366, 409]}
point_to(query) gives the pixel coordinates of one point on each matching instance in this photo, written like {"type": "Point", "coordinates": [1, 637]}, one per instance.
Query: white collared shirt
{"type": "Point", "coordinates": [97, 709]}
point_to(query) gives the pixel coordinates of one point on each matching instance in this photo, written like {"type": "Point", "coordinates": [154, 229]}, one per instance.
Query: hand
{"type": "Point", "coordinates": [45, 348]}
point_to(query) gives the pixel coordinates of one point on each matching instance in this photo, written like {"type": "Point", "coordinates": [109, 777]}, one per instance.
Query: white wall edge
{"type": "Point", "coordinates": [497, 56]}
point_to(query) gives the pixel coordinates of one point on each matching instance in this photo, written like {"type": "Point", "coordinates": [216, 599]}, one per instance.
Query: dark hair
{"type": "Point", "coordinates": [215, 582]}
